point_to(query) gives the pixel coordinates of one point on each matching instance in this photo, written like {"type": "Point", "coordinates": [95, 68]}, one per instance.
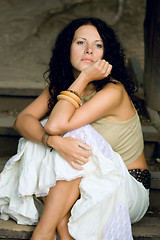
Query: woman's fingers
{"type": "Point", "coordinates": [74, 151]}
{"type": "Point", "coordinates": [97, 71]}
{"type": "Point", "coordinates": [81, 157]}
{"type": "Point", "coordinates": [81, 160]}
{"type": "Point", "coordinates": [74, 165]}
{"type": "Point", "coordinates": [84, 146]}
{"type": "Point", "coordinates": [77, 163]}
{"type": "Point", "coordinates": [103, 67]}
{"type": "Point", "coordinates": [109, 68]}
{"type": "Point", "coordinates": [106, 67]}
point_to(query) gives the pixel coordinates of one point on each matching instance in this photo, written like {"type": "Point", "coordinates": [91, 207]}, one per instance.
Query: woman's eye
{"type": "Point", "coordinates": [80, 42]}
{"type": "Point", "coordinates": [99, 45]}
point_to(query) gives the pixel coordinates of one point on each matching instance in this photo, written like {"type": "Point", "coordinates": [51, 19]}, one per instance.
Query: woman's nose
{"type": "Point", "coordinates": [88, 50]}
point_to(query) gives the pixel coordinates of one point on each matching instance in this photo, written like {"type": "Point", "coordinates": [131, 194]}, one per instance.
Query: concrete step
{"type": "Point", "coordinates": [147, 228]}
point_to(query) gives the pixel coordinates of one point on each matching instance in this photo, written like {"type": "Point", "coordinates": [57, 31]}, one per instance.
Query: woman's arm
{"type": "Point", "coordinates": [28, 123]}
{"type": "Point", "coordinates": [65, 117]}
{"type": "Point", "coordinates": [29, 126]}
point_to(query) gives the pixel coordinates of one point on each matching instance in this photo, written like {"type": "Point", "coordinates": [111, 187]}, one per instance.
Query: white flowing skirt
{"type": "Point", "coordinates": [110, 198]}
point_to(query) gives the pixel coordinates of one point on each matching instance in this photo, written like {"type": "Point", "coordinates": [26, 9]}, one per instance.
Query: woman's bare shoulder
{"type": "Point", "coordinates": [112, 92]}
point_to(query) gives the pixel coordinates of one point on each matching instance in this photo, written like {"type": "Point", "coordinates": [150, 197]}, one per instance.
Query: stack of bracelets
{"type": "Point", "coordinates": [70, 96]}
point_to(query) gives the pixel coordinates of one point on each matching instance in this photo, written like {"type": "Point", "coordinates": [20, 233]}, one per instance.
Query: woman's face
{"type": "Point", "coordinates": [86, 48]}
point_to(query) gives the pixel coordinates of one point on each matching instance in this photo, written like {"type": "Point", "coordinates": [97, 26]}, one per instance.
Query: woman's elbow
{"type": "Point", "coordinates": [53, 129]}
{"type": "Point", "coordinates": [16, 124]}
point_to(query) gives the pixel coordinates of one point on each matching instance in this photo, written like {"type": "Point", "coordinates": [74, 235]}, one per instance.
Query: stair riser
{"type": "Point", "coordinates": [14, 104]}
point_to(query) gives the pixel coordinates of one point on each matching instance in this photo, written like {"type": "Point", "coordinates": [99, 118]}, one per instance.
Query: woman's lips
{"type": "Point", "coordinates": [87, 60]}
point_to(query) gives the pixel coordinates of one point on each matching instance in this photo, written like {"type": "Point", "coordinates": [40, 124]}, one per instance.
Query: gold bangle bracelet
{"type": "Point", "coordinates": [72, 95]}
{"type": "Point", "coordinates": [68, 99]}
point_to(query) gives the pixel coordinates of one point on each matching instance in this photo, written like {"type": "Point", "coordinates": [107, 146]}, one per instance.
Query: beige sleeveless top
{"type": "Point", "coordinates": [124, 137]}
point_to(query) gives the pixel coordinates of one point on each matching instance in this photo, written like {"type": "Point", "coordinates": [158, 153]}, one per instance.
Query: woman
{"type": "Point", "coordinates": [102, 141]}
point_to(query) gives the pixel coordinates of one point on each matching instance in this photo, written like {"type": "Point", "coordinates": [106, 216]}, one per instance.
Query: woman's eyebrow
{"type": "Point", "coordinates": [99, 40]}
{"type": "Point", "coordinates": [86, 39]}
{"type": "Point", "coordinates": [81, 38]}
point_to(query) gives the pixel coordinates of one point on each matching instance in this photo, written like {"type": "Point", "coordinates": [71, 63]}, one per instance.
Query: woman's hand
{"type": "Point", "coordinates": [97, 71]}
{"type": "Point", "coordinates": [72, 150]}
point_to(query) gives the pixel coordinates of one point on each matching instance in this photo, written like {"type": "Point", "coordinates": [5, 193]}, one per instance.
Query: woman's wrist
{"type": "Point", "coordinates": [52, 141]}
{"type": "Point", "coordinates": [84, 78]}
{"type": "Point", "coordinates": [80, 83]}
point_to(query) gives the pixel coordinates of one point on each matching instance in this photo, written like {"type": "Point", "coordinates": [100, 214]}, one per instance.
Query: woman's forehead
{"type": "Point", "coordinates": [87, 31]}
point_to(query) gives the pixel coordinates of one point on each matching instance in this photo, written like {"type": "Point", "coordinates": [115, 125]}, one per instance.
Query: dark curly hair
{"type": "Point", "coordinates": [60, 75]}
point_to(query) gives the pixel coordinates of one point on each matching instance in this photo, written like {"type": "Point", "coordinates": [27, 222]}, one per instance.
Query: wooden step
{"type": "Point", "coordinates": [147, 228]}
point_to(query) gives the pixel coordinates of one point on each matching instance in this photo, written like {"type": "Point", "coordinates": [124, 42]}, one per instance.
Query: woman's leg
{"type": "Point", "coordinates": [62, 228]}
{"type": "Point", "coordinates": [57, 204]}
